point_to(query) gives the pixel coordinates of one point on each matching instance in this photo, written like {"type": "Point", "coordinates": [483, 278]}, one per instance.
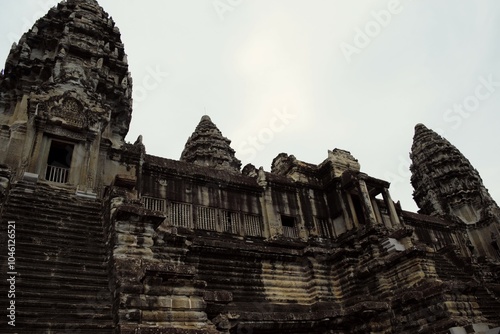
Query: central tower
{"type": "Point", "coordinates": [65, 96]}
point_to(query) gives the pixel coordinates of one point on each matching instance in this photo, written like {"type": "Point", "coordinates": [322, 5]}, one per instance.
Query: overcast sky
{"type": "Point", "coordinates": [306, 76]}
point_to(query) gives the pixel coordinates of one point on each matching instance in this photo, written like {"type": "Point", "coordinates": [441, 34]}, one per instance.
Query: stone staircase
{"type": "Point", "coordinates": [447, 270]}
{"type": "Point", "coordinates": [489, 305]}
{"type": "Point", "coordinates": [62, 275]}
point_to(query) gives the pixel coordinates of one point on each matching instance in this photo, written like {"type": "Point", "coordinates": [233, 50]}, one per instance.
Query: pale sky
{"type": "Point", "coordinates": [306, 76]}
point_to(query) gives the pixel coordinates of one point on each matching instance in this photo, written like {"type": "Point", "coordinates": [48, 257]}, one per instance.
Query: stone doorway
{"type": "Point", "coordinates": [59, 161]}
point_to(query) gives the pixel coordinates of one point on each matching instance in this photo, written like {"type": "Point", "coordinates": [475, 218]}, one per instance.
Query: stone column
{"type": "Point", "coordinates": [300, 224]}
{"type": "Point", "coordinates": [353, 210]}
{"type": "Point", "coordinates": [376, 209]}
{"type": "Point", "coordinates": [347, 218]}
{"type": "Point", "coordinates": [393, 215]}
{"type": "Point", "coordinates": [366, 202]}
{"type": "Point", "coordinates": [31, 147]}
{"type": "Point", "coordinates": [269, 219]}
{"type": "Point", "coordinates": [40, 152]}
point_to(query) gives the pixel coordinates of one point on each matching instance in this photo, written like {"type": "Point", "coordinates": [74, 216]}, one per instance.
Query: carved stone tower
{"type": "Point", "coordinates": [65, 97]}
{"type": "Point", "coordinates": [446, 185]}
{"type": "Point", "coordinates": [208, 147]}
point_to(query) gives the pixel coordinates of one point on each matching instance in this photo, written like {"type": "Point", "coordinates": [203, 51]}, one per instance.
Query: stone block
{"type": "Point", "coordinates": [458, 330]}
{"type": "Point", "coordinates": [30, 177]}
{"type": "Point", "coordinates": [479, 328]}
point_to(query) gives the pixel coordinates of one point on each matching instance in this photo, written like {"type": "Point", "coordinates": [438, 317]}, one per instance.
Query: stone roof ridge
{"type": "Point", "coordinates": [426, 218]}
{"type": "Point", "coordinates": [283, 163]}
{"type": "Point", "coordinates": [194, 170]}
{"type": "Point", "coordinates": [208, 147]}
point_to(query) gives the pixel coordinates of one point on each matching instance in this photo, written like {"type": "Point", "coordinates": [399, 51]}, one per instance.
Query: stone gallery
{"type": "Point", "coordinates": [100, 237]}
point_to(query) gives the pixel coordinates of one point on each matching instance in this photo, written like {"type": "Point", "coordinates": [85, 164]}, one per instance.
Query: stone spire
{"type": "Point", "coordinates": [444, 181]}
{"type": "Point", "coordinates": [208, 147]}
{"type": "Point", "coordinates": [75, 49]}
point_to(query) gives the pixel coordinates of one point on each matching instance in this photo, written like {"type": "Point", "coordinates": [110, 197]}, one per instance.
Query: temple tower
{"type": "Point", "coordinates": [208, 147]}
{"type": "Point", "coordinates": [446, 185]}
{"type": "Point", "coordinates": [65, 96]}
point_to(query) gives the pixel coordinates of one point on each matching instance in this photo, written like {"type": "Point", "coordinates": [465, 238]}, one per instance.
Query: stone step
{"type": "Point", "coordinates": [74, 210]}
{"type": "Point", "coordinates": [42, 260]}
{"type": "Point", "coordinates": [489, 306]}
{"type": "Point", "coordinates": [69, 306]}
{"type": "Point", "coordinates": [49, 193]}
{"type": "Point", "coordinates": [52, 217]}
{"type": "Point", "coordinates": [54, 198]}
{"type": "Point", "coordinates": [52, 267]}
{"type": "Point", "coordinates": [76, 311]}
{"type": "Point", "coordinates": [62, 256]}
{"type": "Point", "coordinates": [447, 270]}
{"type": "Point", "coordinates": [27, 248]}
{"type": "Point", "coordinates": [60, 238]}
{"type": "Point", "coordinates": [28, 278]}
{"type": "Point", "coordinates": [60, 260]}
{"type": "Point", "coordinates": [50, 291]}
{"type": "Point", "coordinates": [38, 227]}
{"type": "Point", "coordinates": [42, 328]}
{"type": "Point", "coordinates": [70, 228]}
{"type": "Point", "coordinates": [58, 326]}
{"type": "Point", "coordinates": [50, 214]}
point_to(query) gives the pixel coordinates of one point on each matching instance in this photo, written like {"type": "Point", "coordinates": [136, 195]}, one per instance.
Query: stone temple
{"type": "Point", "coordinates": [109, 239]}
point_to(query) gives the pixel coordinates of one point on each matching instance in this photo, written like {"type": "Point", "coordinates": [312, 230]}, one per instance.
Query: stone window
{"type": "Point", "coordinates": [323, 228]}
{"type": "Point", "coordinates": [229, 222]}
{"type": "Point", "coordinates": [179, 214]}
{"type": "Point", "coordinates": [154, 204]}
{"type": "Point", "coordinates": [59, 162]}
{"type": "Point", "coordinates": [289, 226]}
{"type": "Point", "coordinates": [358, 209]}
{"type": "Point", "coordinates": [206, 218]}
{"type": "Point", "coordinates": [253, 225]}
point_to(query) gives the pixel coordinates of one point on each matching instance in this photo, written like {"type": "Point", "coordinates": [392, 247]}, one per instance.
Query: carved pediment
{"type": "Point", "coordinates": [70, 111]}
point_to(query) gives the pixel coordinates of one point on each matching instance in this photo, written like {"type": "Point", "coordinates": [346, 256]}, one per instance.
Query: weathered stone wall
{"type": "Point", "coordinates": [364, 266]}
{"type": "Point", "coordinates": [153, 287]}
